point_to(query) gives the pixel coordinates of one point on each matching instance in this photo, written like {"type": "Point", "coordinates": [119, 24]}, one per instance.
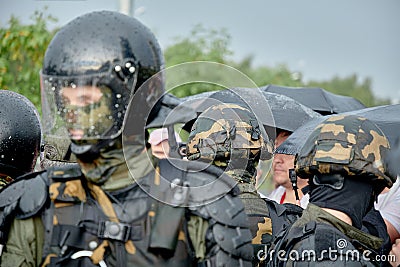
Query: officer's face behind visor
{"type": "Point", "coordinates": [78, 108]}
{"type": "Point", "coordinates": [86, 111]}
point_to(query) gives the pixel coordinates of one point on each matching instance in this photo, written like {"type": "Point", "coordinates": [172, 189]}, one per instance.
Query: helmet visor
{"type": "Point", "coordinates": [80, 108]}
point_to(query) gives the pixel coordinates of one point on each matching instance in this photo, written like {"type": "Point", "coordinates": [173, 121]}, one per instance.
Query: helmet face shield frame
{"type": "Point", "coordinates": [82, 108]}
{"type": "Point", "coordinates": [89, 51]}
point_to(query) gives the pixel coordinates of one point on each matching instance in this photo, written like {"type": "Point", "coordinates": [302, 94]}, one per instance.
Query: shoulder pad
{"type": "Point", "coordinates": [29, 191]}
{"type": "Point", "coordinates": [199, 182]}
{"type": "Point", "coordinates": [282, 215]}
{"type": "Point", "coordinates": [234, 241]}
{"type": "Point", "coordinates": [227, 210]}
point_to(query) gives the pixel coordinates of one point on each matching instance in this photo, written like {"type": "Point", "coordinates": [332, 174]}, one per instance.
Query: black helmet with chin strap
{"type": "Point", "coordinates": [91, 69]}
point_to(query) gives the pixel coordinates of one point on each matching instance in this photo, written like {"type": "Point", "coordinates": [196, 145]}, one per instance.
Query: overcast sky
{"type": "Point", "coordinates": [319, 38]}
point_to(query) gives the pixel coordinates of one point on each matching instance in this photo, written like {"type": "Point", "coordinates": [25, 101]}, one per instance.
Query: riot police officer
{"type": "Point", "coordinates": [229, 136]}
{"type": "Point", "coordinates": [102, 83]}
{"type": "Point", "coordinates": [343, 162]}
{"type": "Point", "coordinates": [20, 136]}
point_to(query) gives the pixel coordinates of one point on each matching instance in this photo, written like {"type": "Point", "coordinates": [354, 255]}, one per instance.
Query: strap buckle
{"type": "Point", "coordinates": [114, 230]}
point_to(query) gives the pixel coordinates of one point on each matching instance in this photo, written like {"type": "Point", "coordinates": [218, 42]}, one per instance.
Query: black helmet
{"type": "Point", "coordinates": [20, 134]}
{"type": "Point", "coordinates": [91, 69]}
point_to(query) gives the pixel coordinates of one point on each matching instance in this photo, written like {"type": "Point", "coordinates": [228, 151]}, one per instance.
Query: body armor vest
{"type": "Point", "coordinates": [82, 228]}
{"type": "Point", "coordinates": [86, 226]}
{"type": "Point", "coordinates": [319, 244]}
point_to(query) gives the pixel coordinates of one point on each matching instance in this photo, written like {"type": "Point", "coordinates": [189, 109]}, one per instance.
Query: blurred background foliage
{"type": "Point", "coordinates": [23, 46]}
{"type": "Point", "coordinates": [21, 52]}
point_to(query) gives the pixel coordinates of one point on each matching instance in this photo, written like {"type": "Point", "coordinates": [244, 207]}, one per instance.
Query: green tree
{"type": "Point", "coordinates": [22, 49]}
{"type": "Point", "coordinates": [201, 45]}
{"type": "Point", "coordinates": [349, 86]}
{"type": "Point", "coordinates": [212, 45]}
{"type": "Point", "coordinates": [280, 75]}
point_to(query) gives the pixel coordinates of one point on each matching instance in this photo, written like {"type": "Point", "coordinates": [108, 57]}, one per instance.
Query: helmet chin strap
{"type": "Point", "coordinates": [173, 144]}
{"type": "Point", "coordinates": [293, 180]}
{"type": "Point", "coordinates": [88, 153]}
{"type": "Point", "coordinates": [85, 153]}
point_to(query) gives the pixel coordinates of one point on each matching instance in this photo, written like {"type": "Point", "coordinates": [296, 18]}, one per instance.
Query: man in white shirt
{"type": "Point", "coordinates": [281, 165]}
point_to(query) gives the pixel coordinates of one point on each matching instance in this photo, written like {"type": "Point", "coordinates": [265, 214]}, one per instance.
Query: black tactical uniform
{"type": "Point", "coordinates": [101, 85]}
{"type": "Point", "coordinates": [342, 158]}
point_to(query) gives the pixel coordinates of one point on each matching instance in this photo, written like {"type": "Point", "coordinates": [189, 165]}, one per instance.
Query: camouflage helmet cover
{"type": "Point", "coordinates": [226, 131]}
{"type": "Point", "coordinates": [348, 145]}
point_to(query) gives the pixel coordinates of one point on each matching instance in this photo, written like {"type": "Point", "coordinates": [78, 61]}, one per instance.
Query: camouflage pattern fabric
{"type": "Point", "coordinates": [228, 136]}
{"type": "Point", "coordinates": [348, 145]}
{"type": "Point", "coordinates": [226, 132]}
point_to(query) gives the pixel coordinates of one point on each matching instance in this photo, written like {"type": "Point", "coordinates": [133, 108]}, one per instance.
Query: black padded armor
{"type": "Point", "coordinates": [76, 226]}
{"type": "Point", "coordinates": [282, 215]}
{"type": "Point", "coordinates": [22, 198]}
{"type": "Point", "coordinates": [318, 244]}
{"type": "Point", "coordinates": [229, 239]}
{"type": "Point", "coordinates": [28, 192]}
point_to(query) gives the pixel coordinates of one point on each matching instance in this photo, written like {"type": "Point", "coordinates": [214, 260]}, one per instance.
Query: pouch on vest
{"type": "Point", "coordinates": [169, 213]}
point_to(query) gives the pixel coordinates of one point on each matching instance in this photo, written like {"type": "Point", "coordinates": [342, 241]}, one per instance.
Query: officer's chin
{"type": "Point", "coordinates": [76, 134]}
